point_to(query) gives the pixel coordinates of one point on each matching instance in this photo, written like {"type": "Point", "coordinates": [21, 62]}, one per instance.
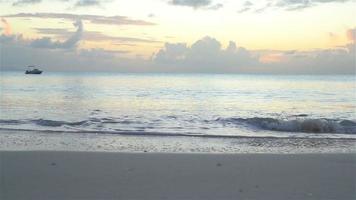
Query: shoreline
{"type": "Point", "coordinates": [113, 175]}
{"type": "Point", "coordinates": [192, 135]}
{"type": "Point", "coordinates": [42, 141]}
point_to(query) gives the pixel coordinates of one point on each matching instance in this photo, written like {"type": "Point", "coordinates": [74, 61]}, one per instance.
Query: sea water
{"type": "Point", "coordinates": [199, 105]}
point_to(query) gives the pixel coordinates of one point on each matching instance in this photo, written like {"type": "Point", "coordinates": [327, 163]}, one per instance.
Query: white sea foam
{"type": "Point", "coordinates": [304, 125]}
{"type": "Point", "coordinates": [202, 128]}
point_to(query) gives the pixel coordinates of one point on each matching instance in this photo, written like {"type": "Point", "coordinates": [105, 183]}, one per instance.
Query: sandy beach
{"type": "Point", "coordinates": [102, 175]}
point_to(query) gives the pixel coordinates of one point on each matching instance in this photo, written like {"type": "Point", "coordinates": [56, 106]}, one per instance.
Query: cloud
{"type": "Point", "coordinates": [172, 52]}
{"type": "Point", "coordinates": [7, 27]}
{"type": "Point", "coordinates": [191, 3]}
{"type": "Point", "coordinates": [351, 34]}
{"type": "Point", "coordinates": [197, 4]}
{"type": "Point", "coordinates": [25, 2]}
{"type": "Point", "coordinates": [244, 10]}
{"type": "Point", "coordinates": [97, 36]}
{"type": "Point", "coordinates": [9, 39]}
{"type": "Point", "coordinates": [288, 5]}
{"type": "Point", "coordinates": [272, 58]}
{"type": "Point", "coordinates": [61, 32]}
{"type": "Point", "coordinates": [86, 3]}
{"type": "Point", "coordinates": [100, 53]}
{"type": "Point", "coordinates": [17, 56]}
{"type": "Point", "coordinates": [301, 4]}
{"type": "Point", "coordinates": [206, 55]}
{"type": "Point", "coordinates": [93, 36]}
{"type": "Point", "coordinates": [95, 19]}
{"type": "Point", "coordinates": [247, 5]}
{"type": "Point", "coordinates": [215, 7]}
{"type": "Point", "coordinates": [78, 3]}
{"type": "Point", "coordinates": [339, 60]}
{"type": "Point", "coordinates": [294, 4]}
{"type": "Point", "coordinates": [332, 35]}
{"type": "Point", "coordinates": [326, 61]}
{"type": "Point", "coordinates": [70, 43]}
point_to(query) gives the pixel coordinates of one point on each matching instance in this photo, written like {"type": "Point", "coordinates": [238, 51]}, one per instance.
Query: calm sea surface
{"type": "Point", "coordinates": [180, 104]}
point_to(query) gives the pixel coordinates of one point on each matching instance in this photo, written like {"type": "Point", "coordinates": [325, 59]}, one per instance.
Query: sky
{"type": "Point", "coordinates": [184, 36]}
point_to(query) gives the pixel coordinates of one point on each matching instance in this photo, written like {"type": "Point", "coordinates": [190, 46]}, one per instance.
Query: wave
{"type": "Point", "coordinates": [139, 133]}
{"type": "Point", "coordinates": [168, 134]}
{"type": "Point", "coordinates": [303, 125]}
{"type": "Point", "coordinates": [119, 125]}
{"type": "Point", "coordinates": [42, 122]}
{"type": "Point", "coordinates": [11, 121]}
{"type": "Point", "coordinates": [54, 123]}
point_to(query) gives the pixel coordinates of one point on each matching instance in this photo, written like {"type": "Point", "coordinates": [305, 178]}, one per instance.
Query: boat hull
{"type": "Point", "coordinates": [33, 72]}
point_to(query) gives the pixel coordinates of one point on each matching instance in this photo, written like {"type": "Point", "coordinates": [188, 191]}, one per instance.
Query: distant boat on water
{"type": "Point", "coordinates": [33, 70]}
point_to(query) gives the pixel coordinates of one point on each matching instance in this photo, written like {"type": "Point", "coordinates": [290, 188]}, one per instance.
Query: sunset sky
{"type": "Point", "coordinates": [213, 36]}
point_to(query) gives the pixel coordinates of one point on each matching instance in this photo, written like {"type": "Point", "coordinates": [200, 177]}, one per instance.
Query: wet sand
{"type": "Point", "coordinates": [102, 175]}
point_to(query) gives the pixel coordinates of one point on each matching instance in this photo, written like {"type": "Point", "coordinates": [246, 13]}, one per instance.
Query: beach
{"type": "Point", "coordinates": [177, 100]}
{"type": "Point", "coordinates": [47, 165]}
{"type": "Point", "coordinates": [80, 136]}
{"type": "Point", "coordinates": [104, 175]}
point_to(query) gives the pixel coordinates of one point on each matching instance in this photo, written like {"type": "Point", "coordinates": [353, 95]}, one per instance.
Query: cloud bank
{"type": "Point", "coordinates": [95, 19]}
{"type": "Point", "coordinates": [206, 55]}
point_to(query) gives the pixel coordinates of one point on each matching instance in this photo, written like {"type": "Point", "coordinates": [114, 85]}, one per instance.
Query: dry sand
{"type": "Point", "coordinates": [46, 175]}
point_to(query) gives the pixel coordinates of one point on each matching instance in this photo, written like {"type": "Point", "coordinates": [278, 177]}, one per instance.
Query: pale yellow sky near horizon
{"type": "Point", "coordinates": [318, 27]}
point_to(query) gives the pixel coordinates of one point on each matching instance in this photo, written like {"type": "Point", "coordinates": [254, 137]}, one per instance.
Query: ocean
{"type": "Point", "coordinates": [199, 105]}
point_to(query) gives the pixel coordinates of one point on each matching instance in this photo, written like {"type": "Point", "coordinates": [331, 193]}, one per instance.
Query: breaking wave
{"type": "Point", "coordinates": [202, 127]}
{"type": "Point", "coordinates": [303, 125]}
